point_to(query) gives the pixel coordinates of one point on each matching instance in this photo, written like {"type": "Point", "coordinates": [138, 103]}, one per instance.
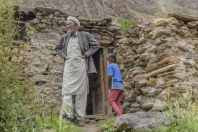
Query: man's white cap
{"type": "Point", "coordinates": [74, 19]}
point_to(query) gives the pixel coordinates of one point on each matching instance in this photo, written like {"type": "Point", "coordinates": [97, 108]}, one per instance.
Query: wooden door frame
{"type": "Point", "coordinates": [106, 109]}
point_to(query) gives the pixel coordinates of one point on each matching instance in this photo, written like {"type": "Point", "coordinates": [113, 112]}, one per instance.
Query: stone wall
{"type": "Point", "coordinates": [159, 62]}
{"type": "Point", "coordinates": [44, 67]}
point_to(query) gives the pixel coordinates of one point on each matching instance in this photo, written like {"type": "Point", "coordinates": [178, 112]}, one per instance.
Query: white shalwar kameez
{"type": "Point", "coordinates": [75, 81]}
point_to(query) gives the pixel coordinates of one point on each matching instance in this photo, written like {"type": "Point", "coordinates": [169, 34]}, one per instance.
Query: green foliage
{"type": "Point", "coordinates": [108, 126]}
{"type": "Point", "coordinates": [187, 120]}
{"type": "Point", "coordinates": [14, 91]}
{"type": "Point", "coordinates": [124, 23]}
{"type": "Point", "coordinates": [53, 123]}
{"type": "Point", "coordinates": [186, 112]}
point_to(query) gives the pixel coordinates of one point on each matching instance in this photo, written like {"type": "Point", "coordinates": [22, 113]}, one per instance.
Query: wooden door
{"type": "Point", "coordinates": [98, 96]}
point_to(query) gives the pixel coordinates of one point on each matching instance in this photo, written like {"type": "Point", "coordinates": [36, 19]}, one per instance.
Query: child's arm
{"type": "Point", "coordinates": [109, 78]}
{"type": "Point", "coordinates": [109, 75]}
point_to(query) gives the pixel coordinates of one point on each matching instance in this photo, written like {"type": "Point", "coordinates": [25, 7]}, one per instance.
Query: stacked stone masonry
{"type": "Point", "coordinates": [159, 62]}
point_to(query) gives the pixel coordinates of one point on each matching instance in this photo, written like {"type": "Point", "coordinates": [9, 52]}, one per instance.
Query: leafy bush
{"type": "Point", "coordinates": [125, 24]}
{"type": "Point", "coordinates": [186, 113]}
{"type": "Point", "coordinates": [108, 126]}
{"type": "Point", "coordinates": [53, 123]}
{"type": "Point", "coordinates": [14, 91]}
{"type": "Point", "coordinates": [187, 120]}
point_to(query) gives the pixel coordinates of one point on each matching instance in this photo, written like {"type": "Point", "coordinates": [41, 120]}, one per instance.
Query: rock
{"type": "Point", "coordinates": [151, 82]}
{"type": "Point", "coordinates": [162, 62]}
{"type": "Point", "coordinates": [135, 105]}
{"type": "Point", "coordinates": [147, 104]}
{"type": "Point", "coordinates": [173, 21]}
{"type": "Point", "coordinates": [192, 24]}
{"type": "Point", "coordinates": [127, 85]}
{"type": "Point", "coordinates": [36, 21]}
{"type": "Point", "coordinates": [137, 71]}
{"type": "Point", "coordinates": [160, 31]}
{"type": "Point", "coordinates": [124, 41]}
{"type": "Point", "coordinates": [43, 21]}
{"type": "Point", "coordinates": [142, 121]}
{"type": "Point", "coordinates": [163, 22]}
{"type": "Point", "coordinates": [134, 31]}
{"type": "Point", "coordinates": [125, 105]}
{"type": "Point", "coordinates": [140, 84]}
{"type": "Point", "coordinates": [160, 22]}
{"type": "Point", "coordinates": [140, 77]}
{"type": "Point", "coordinates": [150, 91]}
{"type": "Point", "coordinates": [131, 95]}
{"type": "Point", "coordinates": [42, 26]}
{"type": "Point", "coordinates": [140, 99]}
{"type": "Point", "coordinates": [51, 16]}
{"type": "Point", "coordinates": [105, 42]}
{"type": "Point", "coordinates": [149, 35]}
{"type": "Point", "coordinates": [132, 110]}
{"type": "Point", "coordinates": [138, 91]}
{"type": "Point", "coordinates": [164, 69]}
{"type": "Point", "coordinates": [159, 106]}
{"type": "Point", "coordinates": [194, 32]}
{"type": "Point", "coordinates": [140, 50]}
{"type": "Point", "coordinates": [57, 30]}
{"type": "Point", "coordinates": [113, 28]}
{"type": "Point", "coordinates": [56, 13]}
{"type": "Point", "coordinates": [168, 94]}
{"type": "Point", "coordinates": [185, 18]}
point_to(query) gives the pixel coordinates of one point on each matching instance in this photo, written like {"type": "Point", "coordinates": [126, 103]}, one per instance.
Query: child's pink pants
{"type": "Point", "coordinates": [115, 98]}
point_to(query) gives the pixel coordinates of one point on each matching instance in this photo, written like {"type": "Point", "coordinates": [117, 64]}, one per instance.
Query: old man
{"type": "Point", "coordinates": [77, 49]}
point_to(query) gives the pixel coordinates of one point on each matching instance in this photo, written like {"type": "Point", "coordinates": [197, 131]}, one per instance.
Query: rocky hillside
{"type": "Point", "coordinates": [138, 10]}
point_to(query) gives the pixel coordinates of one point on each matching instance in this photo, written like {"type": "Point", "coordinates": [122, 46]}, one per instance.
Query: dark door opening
{"type": "Point", "coordinates": [96, 103]}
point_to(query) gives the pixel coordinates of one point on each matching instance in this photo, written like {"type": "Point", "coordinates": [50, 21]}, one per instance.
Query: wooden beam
{"type": "Point", "coordinates": [99, 116]}
{"type": "Point", "coordinates": [102, 81]}
{"type": "Point", "coordinates": [108, 107]}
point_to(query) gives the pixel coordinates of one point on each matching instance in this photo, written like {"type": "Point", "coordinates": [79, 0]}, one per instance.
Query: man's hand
{"type": "Point", "coordinates": [61, 54]}
{"type": "Point", "coordinates": [83, 56]}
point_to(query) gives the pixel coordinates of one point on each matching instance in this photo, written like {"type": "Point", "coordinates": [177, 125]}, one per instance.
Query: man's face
{"type": "Point", "coordinates": [71, 28]}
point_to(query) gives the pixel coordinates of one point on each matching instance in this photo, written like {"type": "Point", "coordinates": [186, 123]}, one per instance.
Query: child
{"type": "Point", "coordinates": [116, 82]}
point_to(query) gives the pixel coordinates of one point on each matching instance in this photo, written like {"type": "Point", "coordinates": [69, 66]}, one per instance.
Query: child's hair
{"type": "Point", "coordinates": [112, 58]}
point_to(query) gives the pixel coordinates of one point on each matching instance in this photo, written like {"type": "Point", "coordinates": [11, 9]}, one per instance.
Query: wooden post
{"type": "Point", "coordinates": [108, 109]}
{"type": "Point", "coordinates": [102, 80]}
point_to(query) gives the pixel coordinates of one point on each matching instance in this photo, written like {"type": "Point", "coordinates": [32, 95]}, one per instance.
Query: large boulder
{"type": "Point", "coordinates": [142, 121]}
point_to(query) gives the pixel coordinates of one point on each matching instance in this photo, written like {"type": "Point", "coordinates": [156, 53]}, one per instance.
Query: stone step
{"type": "Point", "coordinates": [99, 117]}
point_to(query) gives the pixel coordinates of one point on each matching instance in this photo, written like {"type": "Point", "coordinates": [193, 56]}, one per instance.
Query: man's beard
{"type": "Point", "coordinates": [72, 33]}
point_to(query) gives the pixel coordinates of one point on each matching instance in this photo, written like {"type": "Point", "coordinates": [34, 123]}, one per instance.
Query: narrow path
{"type": "Point", "coordinates": [94, 122]}
{"type": "Point", "coordinates": [91, 128]}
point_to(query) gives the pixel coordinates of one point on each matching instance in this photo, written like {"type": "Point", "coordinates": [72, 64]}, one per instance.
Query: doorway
{"type": "Point", "coordinates": [97, 101]}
